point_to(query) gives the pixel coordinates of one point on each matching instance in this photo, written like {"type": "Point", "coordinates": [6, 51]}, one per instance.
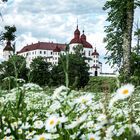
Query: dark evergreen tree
{"type": "Point", "coordinates": [40, 71]}
{"type": "Point", "coordinates": [77, 71]}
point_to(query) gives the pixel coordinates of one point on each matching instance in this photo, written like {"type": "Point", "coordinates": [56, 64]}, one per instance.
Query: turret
{"type": "Point", "coordinates": [8, 51]}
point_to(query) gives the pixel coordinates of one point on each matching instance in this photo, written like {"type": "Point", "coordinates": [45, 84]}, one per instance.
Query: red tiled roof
{"type": "Point", "coordinates": [8, 47]}
{"type": "Point", "coordinates": [75, 40]}
{"type": "Point", "coordinates": [86, 44]}
{"type": "Point", "coordinates": [95, 52]}
{"type": "Point", "coordinates": [42, 46]}
{"type": "Point", "coordinates": [57, 49]}
{"type": "Point", "coordinates": [95, 66]}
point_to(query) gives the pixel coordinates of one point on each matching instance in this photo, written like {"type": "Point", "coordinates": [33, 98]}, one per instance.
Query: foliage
{"type": "Point", "coordinates": [9, 33]}
{"type": "Point", "coordinates": [77, 71]}
{"type": "Point", "coordinates": [15, 68]}
{"type": "Point", "coordinates": [31, 113]}
{"type": "Point", "coordinates": [119, 33]}
{"type": "Point", "coordinates": [40, 71]}
{"type": "Point", "coordinates": [101, 84]}
{"type": "Point", "coordinates": [135, 67]}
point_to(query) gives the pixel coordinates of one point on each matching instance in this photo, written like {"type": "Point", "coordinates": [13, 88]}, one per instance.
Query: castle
{"type": "Point", "coordinates": [51, 52]}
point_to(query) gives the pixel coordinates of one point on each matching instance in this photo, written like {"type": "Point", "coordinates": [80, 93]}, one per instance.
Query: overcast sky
{"type": "Point", "coordinates": [56, 20]}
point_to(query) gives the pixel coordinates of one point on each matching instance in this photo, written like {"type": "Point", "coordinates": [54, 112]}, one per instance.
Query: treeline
{"type": "Point", "coordinates": [14, 71]}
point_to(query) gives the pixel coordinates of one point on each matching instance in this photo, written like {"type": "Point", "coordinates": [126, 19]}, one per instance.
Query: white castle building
{"type": "Point", "coordinates": [51, 52]}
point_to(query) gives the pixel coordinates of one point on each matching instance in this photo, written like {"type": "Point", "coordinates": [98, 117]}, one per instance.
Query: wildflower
{"type": "Point", "coordinates": [85, 99]}
{"type": "Point", "coordinates": [8, 138]}
{"type": "Point", "coordinates": [19, 131]}
{"type": "Point", "coordinates": [102, 117]}
{"type": "Point", "coordinates": [40, 137]}
{"type": "Point", "coordinates": [77, 122]}
{"type": "Point", "coordinates": [38, 124]}
{"type": "Point", "coordinates": [90, 136]}
{"type": "Point", "coordinates": [123, 92]}
{"type": "Point", "coordinates": [51, 122]}
{"type": "Point", "coordinates": [46, 136]}
{"type": "Point", "coordinates": [25, 125]}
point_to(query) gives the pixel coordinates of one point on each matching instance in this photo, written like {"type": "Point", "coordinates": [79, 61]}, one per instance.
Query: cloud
{"type": "Point", "coordinates": [55, 20]}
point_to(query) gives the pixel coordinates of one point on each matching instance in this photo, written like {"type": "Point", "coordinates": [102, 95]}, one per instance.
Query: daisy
{"type": "Point", "coordinates": [90, 136]}
{"type": "Point", "coordinates": [125, 91]}
{"type": "Point", "coordinates": [40, 137]}
{"type": "Point", "coordinates": [51, 122]}
{"type": "Point", "coordinates": [46, 136]}
{"type": "Point", "coordinates": [38, 124]}
{"type": "Point", "coordinates": [85, 99]}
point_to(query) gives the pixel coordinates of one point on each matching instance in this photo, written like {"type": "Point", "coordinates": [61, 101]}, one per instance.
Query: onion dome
{"type": "Point", "coordinates": [95, 52]}
{"type": "Point", "coordinates": [83, 37]}
{"type": "Point", "coordinates": [8, 47]}
{"type": "Point", "coordinates": [76, 38]}
{"type": "Point", "coordinates": [77, 32]}
{"type": "Point", "coordinates": [57, 49]}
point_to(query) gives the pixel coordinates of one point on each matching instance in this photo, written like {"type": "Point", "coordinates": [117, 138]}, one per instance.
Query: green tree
{"type": "Point", "coordinates": [119, 33]}
{"type": "Point", "coordinates": [9, 34]}
{"type": "Point", "coordinates": [77, 71]}
{"type": "Point", "coordinates": [14, 67]}
{"type": "Point", "coordinates": [40, 71]}
{"type": "Point", "coordinates": [137, 35]}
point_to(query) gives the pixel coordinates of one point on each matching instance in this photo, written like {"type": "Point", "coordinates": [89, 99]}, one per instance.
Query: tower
{"type": "Point", "coordinates": [8, 51]}
{"type": "Point", "coordinates": [96, 67]}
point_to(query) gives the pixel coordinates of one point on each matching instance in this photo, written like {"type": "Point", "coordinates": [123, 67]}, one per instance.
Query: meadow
{"type": "Point", "coordinates": [30, 112]}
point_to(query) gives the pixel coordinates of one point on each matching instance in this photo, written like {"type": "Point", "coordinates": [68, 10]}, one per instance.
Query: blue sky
{"type": "Point", "coordinates": [56, 20]}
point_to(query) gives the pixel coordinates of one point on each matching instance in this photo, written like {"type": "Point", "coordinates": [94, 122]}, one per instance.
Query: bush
{"type": "Point", "coordinates": [101, 84]}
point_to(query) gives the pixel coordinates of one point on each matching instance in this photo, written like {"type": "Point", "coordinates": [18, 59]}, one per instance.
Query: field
{"type": "Point", "coordinates": [30, 112]}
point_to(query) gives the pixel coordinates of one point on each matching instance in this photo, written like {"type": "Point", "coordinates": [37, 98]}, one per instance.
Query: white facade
{"type": "Point", "coordinates": [51, 52]}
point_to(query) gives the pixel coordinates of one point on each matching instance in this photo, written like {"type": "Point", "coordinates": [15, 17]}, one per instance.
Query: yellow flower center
{"type": "Point", "coordinates": [51, 122]}
{"type": "Point", "coordinates": [125, 91]}
{"type": "Point", "coordinates": [92, 138]}
{"type": "Point", "coordinates": [42, 138]}
{"type": "Point", "coordinates": [83, 100]}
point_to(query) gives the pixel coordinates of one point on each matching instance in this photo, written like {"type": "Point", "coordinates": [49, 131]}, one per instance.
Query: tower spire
{"type": "Point", "coordinates": [77, 23]}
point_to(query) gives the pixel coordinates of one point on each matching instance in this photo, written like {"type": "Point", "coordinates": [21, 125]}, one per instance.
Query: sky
{"type": "Point", "coordinates": [55, 21]}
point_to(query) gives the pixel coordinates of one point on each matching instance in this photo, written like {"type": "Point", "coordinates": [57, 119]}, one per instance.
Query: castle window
{"type": "Point", "coordinates": [89, 53]}
{"type": "Point", "coordinates": [51, 52]}
{"type": "Point", "coordinates": [40, 52]}
{"type": "Point", "coordinates": [44, 52]}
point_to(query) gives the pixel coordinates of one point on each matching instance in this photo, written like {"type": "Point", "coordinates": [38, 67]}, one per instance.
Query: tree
{"type": "Point", "coordinates": [40, 71]}
{"type": "Point", "coordinates": [119, 33]}
{"type": "Point", "coordinates": [14, 67]}
{"type": "Point", "coordinates": [9, 34]}
{"type": "Point", "coordinates": [137, 35]}
{"type": "Point", "coordinates": [77, 71]}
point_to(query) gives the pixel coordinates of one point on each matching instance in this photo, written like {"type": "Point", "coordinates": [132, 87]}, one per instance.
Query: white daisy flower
{"type": "Point", "coordinates": [85, 99]}
{"type": "Point", "coordinates": [20, 131]}
{"type": "Point", "coordinates": [51, 122]}
{"type": "Point", "coordinates": [58, 91]}
{"type": "Point", "coordinates": [90, 136]}
{"type": "Point", "coordinates": [38, 124]}
{"type": "Point", "coordinates": [123, 92]}
{"type": "Point", "coordinates": [40, 137]}
{"type": "Point", "coordinates": [102, 117]}
{"type": "Point", "coordinates": [46, 136]}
